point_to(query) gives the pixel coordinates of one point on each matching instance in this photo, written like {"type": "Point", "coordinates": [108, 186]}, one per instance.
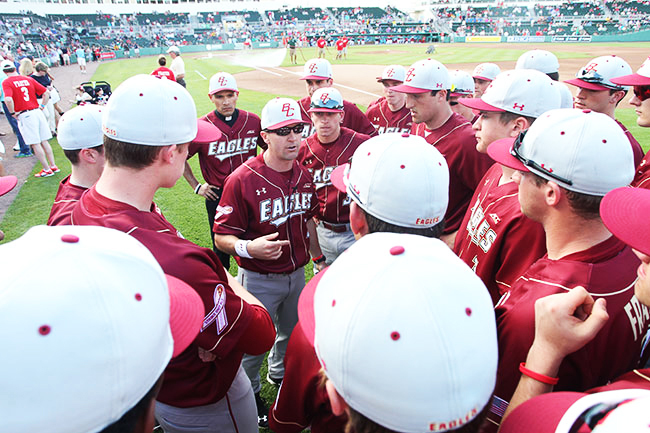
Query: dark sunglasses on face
{"type": "Point", "coordinates": [642, 92]}
{"type": "Point", "coordinates": [285, 130]}
{"type": "Point", "coordinates": [530, 163]}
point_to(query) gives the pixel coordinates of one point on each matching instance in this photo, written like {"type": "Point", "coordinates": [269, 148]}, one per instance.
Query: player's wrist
{"type": "Point", "coordinates": [540, 377]}
{"type": "Point", "coordinates": [319, 259]}
{"type": "Point", "coordinates": [197, 188]}
{"type": "Point", "coordinates": [241, 248]}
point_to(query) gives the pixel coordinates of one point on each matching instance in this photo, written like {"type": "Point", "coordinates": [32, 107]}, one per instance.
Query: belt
{"type": "Point", "coordinates": [336, 228]}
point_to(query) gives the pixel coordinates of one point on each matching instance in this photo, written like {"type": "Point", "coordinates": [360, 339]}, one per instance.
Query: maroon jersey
{"type": "Point", "coordinates": [237, 144]}
{"type": "Point", "coordinates": [231, 327]}
{"type": "Point", "coordinates": [607, 270]}
{"type": "Point", "coordinates": [455, 140]}
{"type": "Point", "coordinates": [385, 120]}
{"type": "Point", "coordinates": [637, 151]}
{"type": "Point", "coordinates": [66, 197]}
{"type": "Point", "coordinates": [321, 159]}
{"type": "Point", "coordinates": [23, 91]}
{"type": "Point", "coordinates": [354, 119]}
{"type": "Point", "coordinates": [642, 175]}
{"type": "Point", "coordinates": [375, 102]}
{"type": "Point", "coordinates": [495, 239]}
{"type": "Point", "coordinates": [302, 401]}
{"type": "Point", "coordinates": [164, 72]}
{"type": "Point", "coordinates": [257, 201]}
{"type": "Point", "coordinates": [634, 379]}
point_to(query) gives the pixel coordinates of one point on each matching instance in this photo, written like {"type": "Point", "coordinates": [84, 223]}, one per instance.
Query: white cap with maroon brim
{"type": "Point", "coordinates": [356, 318]}
{"type": "Point", "coordinates": [222, 81]}
{"type": "Point", "coordinates": [279, 112]}
{"type": "Point", "coordinates": [540, 60]}
{"type": "Point", "coordinates": [326, 100]}
{"type": "Point", "coordinates": [425, 76]}
{"type": "Point", "coordinates": [393, 72]}
{"type": "Point", "coordinates": [598, 74]}
{"type": "Point", "coordinates": [399, 178]}
{"type": "Point", "coordinates": [640, 78]}
{"type": "Point", "coordinates": [81, 128]}
{"type": "Point", "coordinates": [317, 69]}
{"type": "Point", "coordinates": [462, 83]}
{"type": "Point", "coordinates": [486, 71]}
{"type": "Point", "coordinates": [88, 335]}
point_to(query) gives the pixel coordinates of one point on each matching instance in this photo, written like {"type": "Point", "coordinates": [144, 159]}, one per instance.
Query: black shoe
{"type": "Point", "coordinates": [262, 411]}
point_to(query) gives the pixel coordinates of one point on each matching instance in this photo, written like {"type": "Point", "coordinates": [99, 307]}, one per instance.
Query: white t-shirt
{"type": "Point", "coordinates": [178, 66]}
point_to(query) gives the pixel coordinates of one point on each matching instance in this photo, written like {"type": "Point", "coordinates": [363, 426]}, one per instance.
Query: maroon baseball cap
{"type": "Point", "coordinates": [501, 151]}
{"type": "Point", "coordinates": [624, 212]}
{"type": "Point", "coordinates": [206, 132]}
{"type": "Point", "coordinates": [7, 183]}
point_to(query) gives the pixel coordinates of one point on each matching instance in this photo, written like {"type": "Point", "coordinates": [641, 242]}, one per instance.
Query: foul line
{"type": "Point", "coordinates": [335, 84]}
{"type": "Point", "coordinates": [202, 76]}
{"type": "Point", "coordinates": [268, 72]}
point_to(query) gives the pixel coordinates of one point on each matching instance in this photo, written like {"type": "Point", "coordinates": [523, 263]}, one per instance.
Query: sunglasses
{"type": "Point", "coordinates": [642, 92]}
{"type": "Point", "coordinates": [591, 76]}
{"type": "Point", "coordinates": [286, 130]}
{"type": "Point", "coordinates": [530, 163]}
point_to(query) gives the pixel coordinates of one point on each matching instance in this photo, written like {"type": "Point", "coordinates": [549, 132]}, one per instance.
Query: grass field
{"type": "Point", "coordinates": [186, 210]}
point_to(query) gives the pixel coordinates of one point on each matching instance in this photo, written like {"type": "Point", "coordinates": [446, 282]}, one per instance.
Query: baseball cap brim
{"type": "Point", "coordinates": [586, 85]}
{"type": "Point", "coordinates": [632, 80]}
{"type": "Point", "coordinates": [212, 92]}
{"type": "Point", "coordinates": [526, 416]}
{"type": "Point", "coordinates": [285, 123]}
{"type": "Point", "coordinates": [306, 316]}
{"type": "Point", "coordinates": [339, 177]}
{"type": "Point", "coordinates": [7, 183]}
{"type": "Point", "coordinates": [624, 212]}
{"type": "Point", "coordinates": [499, 151]}
{"type": "Point", "coordinates": [482, 78]}
{"type": "Point", "coordinates": [403, 88]}
{"type": "Point", "coordinates": [479, 104]}
{"type": "Point", "coordinates": [186, 313]}
{"type": "Point", "coordinates": [324, 110]}
{"type": "Point", "coordinates": [314, 77]}
{"type": "Point", "coordinates": [461, 94]}
{"type": "Point", "coordinates": [206, 132]}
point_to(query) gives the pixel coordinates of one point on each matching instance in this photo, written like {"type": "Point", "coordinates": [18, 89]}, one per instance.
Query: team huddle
{"type": "Point", "coordinates": [479, 245]}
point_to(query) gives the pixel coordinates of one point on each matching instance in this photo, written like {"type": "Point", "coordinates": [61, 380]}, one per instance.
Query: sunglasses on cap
{"type": "Point", "coordinates": [591, 76]}
{"type": "Point", "coordinates": [532, 164]}
{"type": "Point", "coordinates": [286, 130]}
{"type": "Point", "coordinates": [642, 92]}
{"type": "Point", "coordinates": [332, 104]}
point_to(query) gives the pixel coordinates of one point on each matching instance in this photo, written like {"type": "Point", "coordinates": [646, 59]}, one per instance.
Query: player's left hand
{"type": "Point", "coordinates": [207, 192]}
{"type": "Point", "coordinates": [206, 356]}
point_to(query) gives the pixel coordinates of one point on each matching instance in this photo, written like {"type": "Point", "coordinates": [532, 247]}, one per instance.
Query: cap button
{"type": "Point", "coordinates": [71, 239]}
{"type": "Point", "coordinates": [586, 111]}
{"type": "Point", "coordinates": [397, 250]}
{"type": "Point", "coordinates": [405, 135]}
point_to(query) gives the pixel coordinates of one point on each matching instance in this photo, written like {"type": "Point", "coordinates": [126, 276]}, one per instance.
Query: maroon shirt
{"type": "Point", "coordinates": [237, 144]}
{"type": "Point", "coordinates": [637, 151]}
{"type": "Point", "coordinates": [258, 201]}
{"type": "Point", "coordinates": [495, 239]}
{"type": "Point", "coordinates": [66, 197]}
{"type": "Point", "coordinates": [354, 118]}
{"type": "Point", "coordinates": [302, 401]}
{"type": "Point", "coordinates": [385, 120]}
{"type": "Point", "coordinates": [605, 270]}
{"type": "Point", "coordinates": [231, 326]}
{"type": "Point", "coordinates": [455, 140]}
{"type": "Point", "coordinates": [321, 159]}
{"type": "Point", "coordinates": [642, 175]}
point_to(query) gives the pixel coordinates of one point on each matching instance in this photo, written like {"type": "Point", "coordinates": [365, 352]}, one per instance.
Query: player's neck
{"type": "Point", "coordinates": [277, 164]}
{"type": "Point", "coordinates": [395, 108]}
{"type": "Point", "coordinates": [440, 118]}
{"type": "Point", "coordinates": [81, 177]}
{"type": "Point", "coordinates": [135, 187]}
{"type": "Point", "coordinates": [568, 234]}
{"type": "Point", "coordinates": [327, 139]}
{"type": "Point", "coordinates": [506, 177]}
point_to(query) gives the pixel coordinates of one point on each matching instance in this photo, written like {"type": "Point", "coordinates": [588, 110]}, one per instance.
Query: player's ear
{"type": "Point", "coordinates": [265, 136]}
{"type": "Point", "coordinates": [342, 116]}
{"type": "Point", "coordinates": [358, 221]}
{"type": "Point", "coordinates": [336, 401]}
{"type": "Point", "coordinates": [518, 125]}
{"type": "Point", "coordinates": [552, 193]}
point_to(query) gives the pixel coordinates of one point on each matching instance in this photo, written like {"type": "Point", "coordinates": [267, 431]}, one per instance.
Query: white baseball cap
{"type": "Point", "coordinates": [565, 95]}
{"type": "Point", "coordinates": [640, 78]}
{"type": "Point", "coordinates": [326, 99]}
{"type": "Point", "coordinates": [486, 71]}
{"type": "Point", "coordinates": [317, 69]}
{"type": "Point", "coordinates": [393, 72]}
{"type": "Point", "coordinates": [152, 112]}
{"type": "Point", "coordinates": [581, 150]}
{"type": "Point", "coordinates": [425, 76]}
{"type": "Point", "coordinates": [540, 60]}
{"type": "Point", "coordinates": [462, 83]}
{"type": "Point", "coordinates": [222, 81]}
{"type": "Point", "coordinates": [524, 91]}
{"type": "Point", "coordinates": [279, 112]}
{"type": "Point", "coordinates": [7, 65]}
{"type": "Point", "coordinates": [88, 335]}
{"type": "Point", "coordinates": [398, 178]}
{"type": "Point", "coordinates": [598, 73]}
{"type": "Point", "coordinates": [366, 325]}
{"type": "Point", "coordinates": [81, 127]}
{"type": "Point", "coordinates": [174, 49]}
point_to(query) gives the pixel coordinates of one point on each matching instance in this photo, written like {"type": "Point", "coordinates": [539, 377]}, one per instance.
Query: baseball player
{"type": "Point", "coordinates": [81, 138]}
{"type": "Point", "coordinates": [265, 221]}
{"type": "Point", "coordinates": [385, 198]}
{"type": "Point", "coordinates": [321, 43]}
{"type": "Point", "coordinates": [20, 97]}
{"type": "Point", "coordinates": [131, 324]}
{"type": "Point", "coordinates": [147, 126]}
{"type": "Point", "coordinates": [558, 333]}
{"type": "Point", "coordinates": [462, 86]}
{"type": "Point", "coordinates": [542, 61]}
{"type": "Point", "coordinates": [178, 65]}
{"type": "Point", "coordinates": [483, 75]}
{"type": "Point", "coordinates": [427, 89]}
{"type": "Point", "coordinates": [495, 239]}
{"type": "Point", "coordinates": [640, 82]}
{"type": "Point", "coordinates": [163, 71]}
{"type": "Point", "coordinates": [7, 183]}
{"type": "Point", "coordinates": [389, 113]}
{"type": "Point", "coordinates": [241, 136]}
{"type": "Point", "coordinates": [566, 162]}
{"type": "Point", "coordinates": [354, 318]}
{"type": "Point", "coordinates": [597, 92]}
{"type": "Point", "coordinates": [318, 74]}
{"type": "Point", "coordinates": [330, 146]}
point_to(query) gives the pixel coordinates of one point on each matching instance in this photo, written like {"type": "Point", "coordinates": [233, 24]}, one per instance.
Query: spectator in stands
{"type": "Point", "coordinates": [178, 65]}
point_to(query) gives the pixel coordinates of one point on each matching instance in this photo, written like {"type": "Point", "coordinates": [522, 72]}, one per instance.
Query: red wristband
{"type": "Point", "coordinates": [537, 376]}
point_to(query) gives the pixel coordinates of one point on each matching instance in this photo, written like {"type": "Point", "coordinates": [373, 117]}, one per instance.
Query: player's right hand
{"type": "Point", "coordinates": [265, 248]}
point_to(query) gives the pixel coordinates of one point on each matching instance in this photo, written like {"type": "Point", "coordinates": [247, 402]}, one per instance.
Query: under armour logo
{"type": "Point", "coordinates": [439, 85]}
{"type": "Point", "coordinates": [591, 67]}
{"type": "Point", "coordinates": [313, 67]}
{"type": "Point", "coordinates": [261, 191]}
{"type": "Point", "coordinates": [287, 110]}
{"type": "Point", "coordinates": [324, 97]}
{"type": "Point", "coordinates": [390, 73]}
{"type": "Point", "coordinates": [515, 106]}
{"type": "Point", "coordinates": [550, 170]}
{"type": "Point", "coordinates": [409, 74]}
{"type": "Point", "coordinates": [222, 81]}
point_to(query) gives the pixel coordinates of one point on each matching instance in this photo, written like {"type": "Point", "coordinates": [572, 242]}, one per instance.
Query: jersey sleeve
{"type": "Point", "coordinates": [359, 122]}
{"type": "Point", "coordinates": [260, 334]}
